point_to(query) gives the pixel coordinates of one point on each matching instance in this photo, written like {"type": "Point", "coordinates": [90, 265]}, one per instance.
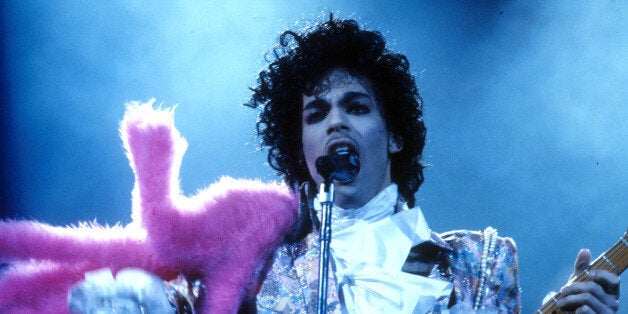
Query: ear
{"type": "Point", "coordinates": [395, 144]}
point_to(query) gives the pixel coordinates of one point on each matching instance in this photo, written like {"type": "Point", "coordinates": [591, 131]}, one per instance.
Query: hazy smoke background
{"type": "Point", "coordinates": [525, 104]}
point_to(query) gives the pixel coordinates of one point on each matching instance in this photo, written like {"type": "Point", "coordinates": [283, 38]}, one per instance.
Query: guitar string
{"type": "Point", "coordinates": [622, 261]}
{"type": "Point", "coordinates": [616, 259]}
{"type": "Point", "coordinates": [616, 254]}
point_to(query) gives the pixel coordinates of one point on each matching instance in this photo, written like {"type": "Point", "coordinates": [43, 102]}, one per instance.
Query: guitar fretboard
{"type": "Point", "coordinates": [614, 260]}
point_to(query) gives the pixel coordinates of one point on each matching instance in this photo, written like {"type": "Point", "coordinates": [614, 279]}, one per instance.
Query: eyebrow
{"type": "Point", "coordinates": [316, 103]}
{"type": "Point", "coordinates": [347, 97]}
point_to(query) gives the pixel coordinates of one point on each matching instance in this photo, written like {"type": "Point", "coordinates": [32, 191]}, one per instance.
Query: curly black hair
{"type": "Point", "coordinates": [301, 59]}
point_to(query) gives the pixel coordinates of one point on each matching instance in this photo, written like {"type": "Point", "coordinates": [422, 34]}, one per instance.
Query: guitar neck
{"type": "Point", "coordinates": [614, 260]}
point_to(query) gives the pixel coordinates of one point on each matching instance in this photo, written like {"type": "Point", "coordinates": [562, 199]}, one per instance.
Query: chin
{"type": "Point", "coordinates": [345, 196]}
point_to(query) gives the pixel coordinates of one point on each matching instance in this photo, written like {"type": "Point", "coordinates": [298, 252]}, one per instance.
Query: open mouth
{"type": "Point", "coordinates": [342, 148]}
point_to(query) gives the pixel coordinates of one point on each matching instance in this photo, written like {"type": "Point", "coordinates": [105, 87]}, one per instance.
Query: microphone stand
{"type": "Point", "coordinates": [326, 196]}
{"type": "Point", "coordinates": [341, 167]}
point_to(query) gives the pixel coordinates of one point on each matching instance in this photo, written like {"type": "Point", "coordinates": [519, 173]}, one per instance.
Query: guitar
{"type": "Point", "coordinates": [614, 260]}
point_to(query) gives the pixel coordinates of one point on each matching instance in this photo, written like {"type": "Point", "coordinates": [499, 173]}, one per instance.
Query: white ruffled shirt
{"type": "Point", "coordinates": [368, 249]}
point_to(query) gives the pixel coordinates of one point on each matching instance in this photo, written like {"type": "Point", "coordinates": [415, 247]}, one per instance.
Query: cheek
{"type": "Point", "coordinates": [309, 148]}
{"type": "Point", "coordinates": [312, 140]}
{"type": "Point", "coordinates": [378, 135]}
{"type": "Point", "coordinates": [306, 144]}
{"type": "Point", "coordinates": [313, 147]}
{"type": "Point", "coordinates": [310, 154]}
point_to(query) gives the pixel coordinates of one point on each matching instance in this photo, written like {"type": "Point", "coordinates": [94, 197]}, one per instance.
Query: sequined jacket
{"type": "Point", "coordinates": [290, 282]}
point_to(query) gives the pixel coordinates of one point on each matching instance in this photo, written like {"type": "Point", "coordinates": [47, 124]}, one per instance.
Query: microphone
{"type": "Point", "coordinates": [341, 167]}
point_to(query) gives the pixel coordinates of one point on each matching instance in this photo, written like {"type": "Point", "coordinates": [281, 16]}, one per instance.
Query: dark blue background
{"type": "Point", "coordinates": [525, 104]}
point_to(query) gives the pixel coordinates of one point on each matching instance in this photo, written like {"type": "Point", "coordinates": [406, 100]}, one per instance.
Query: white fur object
{"type": "Point", "coordinates": [132, 291]}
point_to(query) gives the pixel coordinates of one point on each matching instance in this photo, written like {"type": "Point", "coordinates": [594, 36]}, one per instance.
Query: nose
{"type": "Point", "coordinates": [337, 121]}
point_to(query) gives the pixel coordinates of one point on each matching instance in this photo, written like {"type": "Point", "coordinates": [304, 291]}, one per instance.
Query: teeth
{"type": "Point", "coordinates": [341, 150]}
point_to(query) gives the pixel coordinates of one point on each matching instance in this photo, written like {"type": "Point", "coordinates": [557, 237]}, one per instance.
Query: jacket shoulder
{"type": "Point", "coordinates": [473, 241]}
{"type": "Point", "coordinates": [502, 281]}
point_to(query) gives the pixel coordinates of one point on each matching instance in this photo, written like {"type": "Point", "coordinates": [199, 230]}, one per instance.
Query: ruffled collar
{"type": "Point", "coordinates": [379, 207]}
{"type": "Point", "coordinates": [369, 247]}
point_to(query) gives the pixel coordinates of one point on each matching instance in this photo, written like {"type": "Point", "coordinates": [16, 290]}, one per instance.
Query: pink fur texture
{"type": "Point", "coordinates": [222, 233]}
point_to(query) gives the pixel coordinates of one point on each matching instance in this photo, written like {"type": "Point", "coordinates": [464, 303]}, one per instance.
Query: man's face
{"type": "Point", "coordinates": [343, 113]}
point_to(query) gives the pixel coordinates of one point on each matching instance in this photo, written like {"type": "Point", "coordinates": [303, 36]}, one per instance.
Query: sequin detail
{"type": "Point", "coordinates": [291, 282]}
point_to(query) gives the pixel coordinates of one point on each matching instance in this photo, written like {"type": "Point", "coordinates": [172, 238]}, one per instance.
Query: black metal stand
{"type": "Point", "coordinates": [326, 196]}
{"type": "Point", "coordinates": [341, 167]}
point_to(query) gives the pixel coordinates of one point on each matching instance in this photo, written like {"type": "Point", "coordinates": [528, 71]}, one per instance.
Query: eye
{"type": "Point", "coordinates": [315, 116]}
{"type": "Point", "coordinates": [357, 107]}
